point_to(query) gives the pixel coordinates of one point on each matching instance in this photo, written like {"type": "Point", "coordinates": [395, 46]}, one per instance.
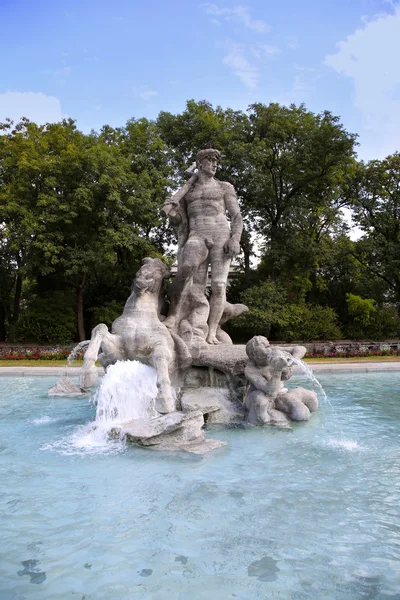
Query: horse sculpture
{"type": "Point", "coordinates": [138, 334]}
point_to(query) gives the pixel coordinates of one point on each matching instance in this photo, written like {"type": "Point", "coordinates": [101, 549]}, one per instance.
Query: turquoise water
{"type": "Point", "coordinates": [288, 515]}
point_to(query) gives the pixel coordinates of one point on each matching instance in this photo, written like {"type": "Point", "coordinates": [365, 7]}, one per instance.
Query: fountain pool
{"type": "Point", "coordinates": [311, 512]}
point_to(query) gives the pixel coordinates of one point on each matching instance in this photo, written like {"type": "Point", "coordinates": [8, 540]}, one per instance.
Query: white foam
{"type": "Point", "coordinates": [347, 445]}
{"type": "Point", "coordinates": [127, 392]}
{"type": "Point", "coordinates": [44, 419]}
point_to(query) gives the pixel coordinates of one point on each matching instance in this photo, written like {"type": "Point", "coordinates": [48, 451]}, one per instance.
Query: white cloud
{"type": "Point", "coordinates": [370, 57]}
{"type": "Point", "coordinates": [265, 51]}
{"type": "Point", "coordinates": [147, 93]}
{"type": "Point", "coordinates": [242, 68]}
{"type": "Point", "coordinates": [293, 43]}
{"type": "Point", "coordinates": [60, 75]}
{"type": "Point", "coordinates": [238, 13]}
{"type": "Point", "coordinates": [37, 107]}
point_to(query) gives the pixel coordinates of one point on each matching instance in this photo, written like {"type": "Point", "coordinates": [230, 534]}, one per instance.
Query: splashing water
{"type": "Point", "coordinates": [310, 375]}
{"type": "Point", "coordinates": [347, 445]}
{"type": "Point", "coordinates": [43, 420]}
{"type": "Point", "coordinates": [75, 352]}
{"type": "Point", "coordinates": [65, 386]}
{"type": "Point", "coordinates": [127, 392]}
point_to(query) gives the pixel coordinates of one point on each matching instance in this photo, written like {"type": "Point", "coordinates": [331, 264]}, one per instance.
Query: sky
{"type": "Point", "coordinates": [101, 62]}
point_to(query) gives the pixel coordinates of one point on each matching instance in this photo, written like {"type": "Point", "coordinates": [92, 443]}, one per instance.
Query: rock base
{"type": "Point", "coordinates": [215, 405]}
{"type": "Point", "coordinates": [173, 431]}
{"type": "Point", "coordinates": [65, 387]}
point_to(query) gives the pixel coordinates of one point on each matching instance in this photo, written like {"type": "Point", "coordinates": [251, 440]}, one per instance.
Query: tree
{"type": "Point", "coordinates": [271, 313]}
{"type": "Point", "coordinates": [292, 187]}
{"type": "Point", "coordinates": [76, 209]}
{"type": "Point", "coordinates": [374, 196]}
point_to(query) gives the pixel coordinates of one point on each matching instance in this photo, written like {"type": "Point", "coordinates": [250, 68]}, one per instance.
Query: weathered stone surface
{"type": "Point", "coordinates": [196, 377]}
{"type": "Point", "coordinates": [188, 348]}
{"type": "Point", "coordinates": [139, 334]}
{"type": "Point", "coordinates": [203, 447]}
{"type": "Point", "coordinates": [189, 430]}
{"type": "Point", "coordinates": [205, 236]}
{"type": "Point", "coordinates": [149, 428]}
{"type": "Point", "coordinates": [213, 402]}
{"type": "Point", "coordinates": [268, 401]}
{"type": "Point", "coordinates": [207, 400]}
{"type": "Point", "coordinates": [175, 428]}
{"type": "Point", "coordinates": [290, 404]}
{"type": "Point", "coordinates": [174, 431]}
{"type": "Point", "coordinates": [65, 387]}
{"type": "Point", "coordinates": [308, 397]}
{"type": "Point", "coordinates": [230, 359]}
{"type": "Point", "coordinates": [199, 377]}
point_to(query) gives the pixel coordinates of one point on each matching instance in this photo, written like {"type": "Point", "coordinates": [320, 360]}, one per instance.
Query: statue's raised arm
{"type": "Point", "coordinates": [209, 241]}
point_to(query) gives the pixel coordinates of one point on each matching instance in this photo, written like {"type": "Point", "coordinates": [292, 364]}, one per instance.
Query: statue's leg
{"type": "Point", "coordinates": [161, 358]}
{"type": "Point", "coordinates": [290, 404]}
{"type": "Point", "coordinates": [257, 405]}
{"type": "Point", "coordinates": [111, 351]}
{"type": "Point", "coordinates": [194, 253]}
{"type": "Point", "coordinates": [219, 275]}
{"type": "Point", "coordinates": [88, 375]}
{"type": "Point", "coordinates": [308, 397]}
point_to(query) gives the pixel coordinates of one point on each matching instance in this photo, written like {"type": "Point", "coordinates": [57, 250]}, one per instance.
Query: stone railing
{"type": "Point", "coordinates": [328, 349]}
{"type": "Point", "coordinates": [350, 348]}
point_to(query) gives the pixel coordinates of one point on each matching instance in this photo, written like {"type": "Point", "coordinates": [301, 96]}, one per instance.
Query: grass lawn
{"type": "Point", "coordinates": [355, 359]}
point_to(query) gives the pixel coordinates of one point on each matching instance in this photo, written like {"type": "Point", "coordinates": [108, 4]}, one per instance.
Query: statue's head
{"type": "Point", "coordinates": [207, 160]}
{"type": "Point", "coordinates": [261, 354]}
{"type": "Point", "coordinates": [150, 275]}
{"type": "Point", "coordinates": [258, 349]}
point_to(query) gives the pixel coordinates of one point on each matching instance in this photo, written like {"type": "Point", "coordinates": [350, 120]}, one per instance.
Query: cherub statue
{"type": "Point", "coordinates": [267, 400]}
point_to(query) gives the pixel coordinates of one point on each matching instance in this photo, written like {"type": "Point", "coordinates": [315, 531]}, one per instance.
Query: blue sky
{"type": "Point", "coordinates": [104, 62]}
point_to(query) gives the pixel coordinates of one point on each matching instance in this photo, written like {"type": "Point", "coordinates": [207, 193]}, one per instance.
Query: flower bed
{"type": "Point", "coordinates": [36, 353]}
{"type": "Point", "coordinates": [352, 349]}
{"type": "Point", "coordinates": [314, 350]}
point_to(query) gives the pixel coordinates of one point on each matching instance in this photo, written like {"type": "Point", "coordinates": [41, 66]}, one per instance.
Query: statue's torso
{"type": "Point", "coordinates": [205, 205]}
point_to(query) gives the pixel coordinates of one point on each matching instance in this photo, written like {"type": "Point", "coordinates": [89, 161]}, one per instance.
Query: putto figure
{"type": "Point", "coordinates": [205, 237]}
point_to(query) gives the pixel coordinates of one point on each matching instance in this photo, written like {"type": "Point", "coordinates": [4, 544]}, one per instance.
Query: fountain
{"type": "Point", "coordinates": [289, 511]}
{"type": "Point", "coordinates": [200, 375]}
{"type": "Point", "coordinates": [65, 386]}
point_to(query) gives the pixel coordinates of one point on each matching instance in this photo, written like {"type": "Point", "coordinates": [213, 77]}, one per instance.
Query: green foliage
{"type": "Point", "coordinates": [273, 315]}
{"type": "Point", "coordinates": [374, 196]}
{"type": "Point", "coordinates": [269, 311]}
{"type": "Point", "coordinates": [382, 323]}
{"type": "Point", "coordinates": [46, 320]}
{"type": "Point", "coordinates": [385, 323]}
{"type": "Point", "coordinates": [106, 313]}
{"type": "Point", "coordinates": [317, 323]}
{"type": "Point", "coordinates": [79, 212]}
{"type": "Point", "coordinates": [360, 309]}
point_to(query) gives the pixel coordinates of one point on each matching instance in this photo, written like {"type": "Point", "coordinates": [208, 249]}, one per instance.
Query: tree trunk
{"type": "Point", "coordinates": [246, 262]}
{"type": "Point", "coordinates": [17, 298]}
{"type": "Point", "coordinates": [3, 331]}
{"type": "Point", "coordinates": [81, 326]}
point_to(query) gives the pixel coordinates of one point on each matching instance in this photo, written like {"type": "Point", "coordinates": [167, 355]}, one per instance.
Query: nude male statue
{"type": "Point", "coordinates": [204, 202]}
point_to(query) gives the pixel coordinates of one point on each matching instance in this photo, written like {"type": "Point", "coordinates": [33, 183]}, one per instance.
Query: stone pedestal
{"type": "Point", "coordinates": [174, 431]}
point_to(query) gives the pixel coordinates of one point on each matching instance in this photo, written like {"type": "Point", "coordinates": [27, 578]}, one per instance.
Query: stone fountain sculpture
{"type": "Point", "coordinates": [188, 347]}
{"type": "Point", "coordinates": [267, 400]}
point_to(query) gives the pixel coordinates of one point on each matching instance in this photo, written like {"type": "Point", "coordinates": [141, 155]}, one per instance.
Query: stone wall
{"type": "Point", "coordinates": [350, 348]}
{"type": "Point", "coordinates": [329, 349]}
